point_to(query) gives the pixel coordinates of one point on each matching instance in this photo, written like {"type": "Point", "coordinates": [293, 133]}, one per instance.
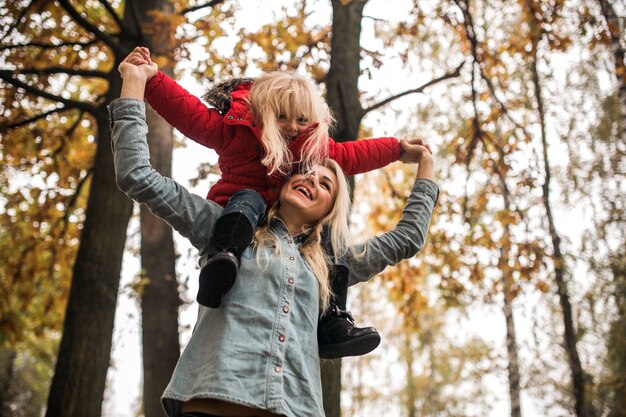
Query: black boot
{"type": "Point", "coordinates": [337, 336]}
{"type": "Point", "coordinates": [233, 233]}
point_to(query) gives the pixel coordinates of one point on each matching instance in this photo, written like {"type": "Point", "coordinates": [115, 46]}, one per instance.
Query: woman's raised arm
{"type": "Point", "coordinates": [410, 233]}
{"type": "Point", "coordinates": [189, 214]}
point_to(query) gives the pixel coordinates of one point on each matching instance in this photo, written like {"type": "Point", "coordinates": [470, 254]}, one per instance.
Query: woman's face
{"type": "Point", "coordinates": [309, 196]}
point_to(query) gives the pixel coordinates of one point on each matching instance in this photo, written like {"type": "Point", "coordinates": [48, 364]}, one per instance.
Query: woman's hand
{"type": "Point", "coordinates": [136, 69]}
{"type": "Point", "coordinates": [419, 152]}
{"type": "Point", "coordinates": [411, 150]}
{"type": "Point", "coordinates": [138, 64]}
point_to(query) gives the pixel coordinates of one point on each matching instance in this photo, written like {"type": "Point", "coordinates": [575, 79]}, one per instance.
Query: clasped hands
{"type": "Point", "coordinates": [414, 150]}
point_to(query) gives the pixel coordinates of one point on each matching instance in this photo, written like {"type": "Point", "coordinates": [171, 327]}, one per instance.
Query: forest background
{"type": "Point", "coordinates": [516, 306]}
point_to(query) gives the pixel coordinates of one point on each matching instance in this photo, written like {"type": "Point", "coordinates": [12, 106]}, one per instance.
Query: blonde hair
{"type": "Point", "coordinates": [294, 96]}
{"type": "Point", "coordinates": [311, 249]}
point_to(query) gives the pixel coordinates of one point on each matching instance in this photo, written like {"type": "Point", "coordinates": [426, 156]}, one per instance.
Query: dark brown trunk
{"type": "Point", "coordinates": [507, 309]}
{"type": "Point", "coordinates": [80, 374]}
{"type": "Point", "coordinates": [7, 374]}
{"type": "Point", "coordinates": [411, 391]}
{"type": "Point", "coordinates": [342, 95]}
{"type": "Point", "coordinates": [569, 332]}
{"type": "Point", "coordinates": [78, 384]}
{"type": "Point", "coordinates": [160, 299]}
{"type": "Point", "coordinates": [615, 32]}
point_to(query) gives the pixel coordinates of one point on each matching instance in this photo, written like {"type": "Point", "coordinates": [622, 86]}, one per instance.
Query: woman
{"type": "Point", "coordinates": [257, 355]}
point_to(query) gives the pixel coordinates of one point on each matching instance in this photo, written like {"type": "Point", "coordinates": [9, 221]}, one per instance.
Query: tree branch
{"type": "Point", "coordinates": [90, 27]}
{"type": "Point", "coordinates": [452, 74]}
{"type": "Point", "coordinates": [62, 70]}
{"type": "Point", "coordinates": [468, 25]}
{"type": "Point", "coordinates": [8, 77]}
{"type": "Point", "coordinates": [17, 21]}
{"type": "Point", "coordinates": [114, 15]}
{"type": "Point", "coordinates": [48, 45]}
{"type": "Point", "coordinates": [35, 118]}
{"type": "Point", "coordinates": [212, 3]}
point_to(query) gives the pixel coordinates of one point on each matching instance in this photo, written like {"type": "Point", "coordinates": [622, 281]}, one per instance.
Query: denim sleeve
{"type": "Point", "coordinates": [189, 214]}
{"type": "Point", "coordinates": [403, 242]}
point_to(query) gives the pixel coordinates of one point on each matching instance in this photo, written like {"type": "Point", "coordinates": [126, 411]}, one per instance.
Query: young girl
{"type": "Point", "coordinates": [263, 130]}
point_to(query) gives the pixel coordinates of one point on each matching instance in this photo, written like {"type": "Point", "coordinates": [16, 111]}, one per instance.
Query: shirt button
{"type": "Point", "coordinates": [290, 241]}
{"type": "Point", "coordinates": [291, 258]}
{"type": "Point", "coordinates": [277, 369]}
{"type": "Point", "coordinates": [291, 280]}
{"type": "Point", "coordinates": [281, 338]}
{"type": "Point", "coordinates": [285, 309]}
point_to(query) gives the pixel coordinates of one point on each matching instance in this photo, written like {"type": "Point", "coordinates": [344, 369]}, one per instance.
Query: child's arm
{"type": "Point", "coordinates": [356, 157]}
{"type": "Point", "coordinates": [180, 108]}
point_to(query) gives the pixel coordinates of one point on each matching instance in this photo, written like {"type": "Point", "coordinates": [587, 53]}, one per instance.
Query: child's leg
{"type": "Point", "coordinates": [233, 233]}
{"type": "Point", "coordinates": [337, 335]}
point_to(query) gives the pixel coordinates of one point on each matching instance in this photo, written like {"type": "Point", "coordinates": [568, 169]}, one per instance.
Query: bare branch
{"type": "Point", "coordinates": [114, 15]}
{"type": "Point", "coordinates": [90, 27]}
{"type": "Point", "coordinates": [17, 21]}
{"type": "Point", "coordinates": [48, 45]}
{"type": "Point", "coordinates": [452, 74]}
{"type": "Point", "coordinates": [62, 70]}
{"type": "Point", "coordinates": [71, 205]}
{"type": "Point", "coordinates": [468, 25]}
{"type": "Point", "coordinates": [375, 19]}
{"type": "Point", "coordinates": [35, 118]}
{"type": "Point", "coordinates": [395, 195]}
{"type": "Point", "coordinates": [212, 3]}
{"type": "Point", "coordinates": [8, 77]}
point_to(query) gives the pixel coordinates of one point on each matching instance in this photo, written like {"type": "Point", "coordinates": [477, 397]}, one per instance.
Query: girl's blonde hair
{"type": "Point", "coordinates": [293, 96]}
{"type": "Point", "coordinates": [336, 223]}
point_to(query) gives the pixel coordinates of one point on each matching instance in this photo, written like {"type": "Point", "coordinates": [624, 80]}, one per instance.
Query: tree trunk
{"type": "Point", "coordinates": [569, 332]}
{"type": "Point", "coordinates": [411, 391]}
{"type": "Point", "coordinates": [7, 363]}
{"type": "Point", "coordinates": [620, 68]}
{"type": "Point", "coordinates": [160, 299]}
{"type": "Point", "coordinates": [80, 373]}
{"type": "Point", "coordinates": [342, 95]}
{"type": "Point", "coordinates": [507, 308]}
{"type": "Point", "coordinates": [342, 92]}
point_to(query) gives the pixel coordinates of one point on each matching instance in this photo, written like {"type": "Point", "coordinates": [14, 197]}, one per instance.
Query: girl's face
{"type": "Point", "coordinates": [291, 128]}
{"type": "Point", "coordinates": [310, 196]}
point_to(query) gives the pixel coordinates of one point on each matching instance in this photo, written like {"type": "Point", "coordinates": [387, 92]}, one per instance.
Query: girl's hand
{"type": "Point", "coordinates": [138, 64]}
{"type": "Point", "coordinates": [411, 150]}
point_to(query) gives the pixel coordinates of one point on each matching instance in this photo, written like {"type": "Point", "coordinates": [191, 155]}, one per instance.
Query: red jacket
{"type": "Point", "coordinates": [237, 140]}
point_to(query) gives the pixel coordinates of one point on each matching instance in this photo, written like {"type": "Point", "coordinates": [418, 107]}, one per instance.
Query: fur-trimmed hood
{"type": "Point", "coordinates": [219, 96]}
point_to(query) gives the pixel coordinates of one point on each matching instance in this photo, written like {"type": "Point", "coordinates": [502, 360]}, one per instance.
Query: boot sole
{"type": "Point", "coordinates": [216, 278]}
{"type": "Point", "coordinates": [355, 347]}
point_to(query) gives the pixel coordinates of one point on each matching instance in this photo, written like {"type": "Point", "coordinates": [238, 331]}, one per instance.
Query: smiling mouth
{"type": "Point", "coordinates": [304, 191]}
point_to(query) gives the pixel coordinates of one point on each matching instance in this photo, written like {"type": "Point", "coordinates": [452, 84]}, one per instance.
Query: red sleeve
{"type": "Point", "coordinates": [185, 111]}
{"type": "Point", "coordinates": [356, 157]}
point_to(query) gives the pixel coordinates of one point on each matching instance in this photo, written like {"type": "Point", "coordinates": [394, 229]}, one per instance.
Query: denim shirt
{"type": "Point", "coordinates": [259, 349]}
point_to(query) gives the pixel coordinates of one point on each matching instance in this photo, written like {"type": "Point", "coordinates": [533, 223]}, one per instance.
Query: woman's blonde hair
{"type": "Point", "coordinates": [293, 96]}
{"type": "Point", "coordinates": [336, 223]}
